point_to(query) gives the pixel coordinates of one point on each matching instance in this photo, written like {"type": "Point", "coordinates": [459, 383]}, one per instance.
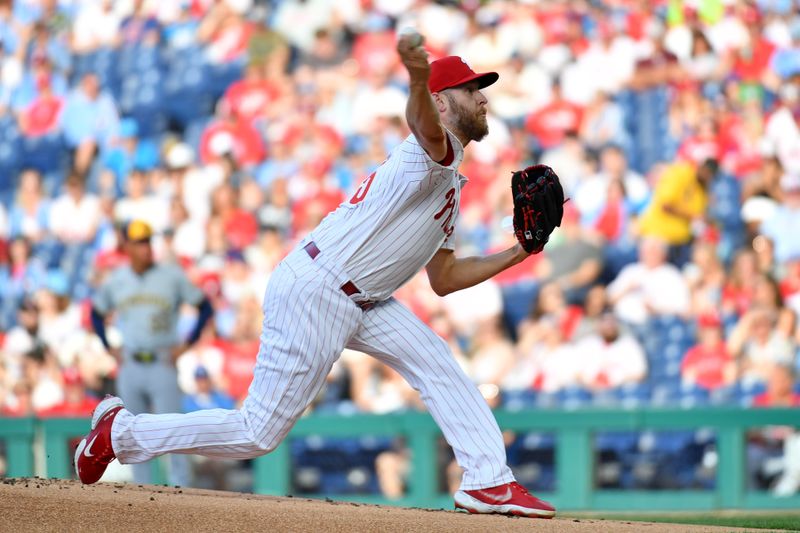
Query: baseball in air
{"type": "Point", "coordinates": [414, 38]}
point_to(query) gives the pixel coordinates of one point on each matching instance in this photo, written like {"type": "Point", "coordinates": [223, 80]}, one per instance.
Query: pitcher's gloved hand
{"type": "Point", "coordinates": [538, 206]}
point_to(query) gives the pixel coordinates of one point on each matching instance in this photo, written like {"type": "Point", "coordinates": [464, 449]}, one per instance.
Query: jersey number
{"type": "Point", "coordinates": [363, 189]}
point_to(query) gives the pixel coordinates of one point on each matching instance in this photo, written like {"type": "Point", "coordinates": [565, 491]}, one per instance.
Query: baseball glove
{"type": "Point", "coordinates": [538, 206]}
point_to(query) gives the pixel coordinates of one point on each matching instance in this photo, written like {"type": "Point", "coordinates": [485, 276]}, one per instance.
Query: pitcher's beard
{"type": "Point", "coordinates": [473, 126]}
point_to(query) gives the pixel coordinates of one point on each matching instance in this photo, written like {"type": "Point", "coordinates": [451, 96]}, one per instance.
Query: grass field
{"type": "Point", "coordinates": [781, 520]}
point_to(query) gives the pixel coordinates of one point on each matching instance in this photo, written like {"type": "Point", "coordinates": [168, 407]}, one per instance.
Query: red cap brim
{"type": "Point", "coordinates": [486, 79]}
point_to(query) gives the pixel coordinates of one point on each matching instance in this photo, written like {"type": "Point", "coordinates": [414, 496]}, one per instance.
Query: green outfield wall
{"type": "Point", "coordinates": [573, 431]}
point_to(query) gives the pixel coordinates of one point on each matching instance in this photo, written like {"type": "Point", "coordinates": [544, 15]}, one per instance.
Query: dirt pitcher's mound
{"type": "Point", "coordinates": [58, 505]}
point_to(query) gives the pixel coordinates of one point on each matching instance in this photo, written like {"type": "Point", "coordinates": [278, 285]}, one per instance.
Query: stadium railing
{"type": "Point", "coordinates": [574, 454]}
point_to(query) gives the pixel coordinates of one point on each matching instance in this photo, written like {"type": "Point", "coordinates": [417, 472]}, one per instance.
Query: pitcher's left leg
{"type": "Point", "coordinates": [393, 334]}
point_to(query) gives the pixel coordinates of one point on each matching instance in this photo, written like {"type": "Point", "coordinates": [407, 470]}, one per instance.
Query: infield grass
{"type": "Point", "coordinates": [788, 521]}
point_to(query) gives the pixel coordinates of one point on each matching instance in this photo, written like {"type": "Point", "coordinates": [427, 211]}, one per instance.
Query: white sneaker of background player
{"type": "Point", "coordinates": [789, 483]}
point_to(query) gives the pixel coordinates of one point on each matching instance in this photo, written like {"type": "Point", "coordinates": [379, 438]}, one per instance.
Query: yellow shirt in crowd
{"type": "Point", "coordinates": [677, 187]}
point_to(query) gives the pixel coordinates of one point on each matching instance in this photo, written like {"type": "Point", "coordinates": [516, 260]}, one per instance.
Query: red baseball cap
{"type": "Point", "coordinates": [452, 71]}
{"type": "Point", "coordinates": [709, 320]}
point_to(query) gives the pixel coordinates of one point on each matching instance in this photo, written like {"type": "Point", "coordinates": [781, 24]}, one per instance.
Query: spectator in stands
{"type": "Point", "coordinates": [265, 254]}
{"type": "Point", "coordinates": [594, 306]}
{"type": "Point", "coordinates": [250, 98]}
{"type": "Point", "coordinates": [737, 294]}
{"type": "Point", "coordinates": [376, 388]}
{"type": "Point", "coordinates": [205, 395]}
{"type": "Point", "coordinates": [704, 64]}
{"type": "Point", "coordinates": [58, 316]}
{"type": "Point", "coordinates": [758, 345]}
{"type": "Point", "coordinates": [23, 275]}
{"type": "Point", "coordinates": [20, 339]}
{"type": "Point", "coordinates": [490, 355]}
{"type": "Point", "coordinates": [207, 355]}
{"type": "Point", "coordinates": [592, 193]}
{"type": "Point", "coordinates": [140, 203]}
{"type": "Point", "coordinates": [603, 123]}
{"type": "Point", "coordinates": [708, 364]}
{"type": "Point", "coordinates": [46, 43]}
{"type": "Point", "coordinates": [552, 304]}
{"type": "Point", "coordinates": [89, 121]}
{"type": "Point", "coordinates": [784, 225]}
{"type": "Point", "coordinates": [233, 138]}
{"type": "Point", "coordinates": [189, 237]}
{"type": "Point", "coordinates": [83, 351]}
{"type": "Point", "coordinates": [705, 277]}
{"type": "Point", "coordinates": [30, 214]}
{"type": "Point", "coordinates": [76, 403]}
{"type": "Point", "coordinates": [549, 124]}
{"type": "Point", "coordinates": [75, 215]}
{"type": "Point", "coordinates": [20, 402]}
{"type": "Point", "coordinates": [610, 358]}
{"type": "Point", "coordinates": [679, 204]}
{"type": "Point", "coordinates": [225, 32]}
{"type": "Point", "coordinates": [197, 182]}
{"type": "Point", "coordinates": [139, 28]}
{"type": "Point", "coordinates": [240, 226]}
{"type": "Point", "coordinates": [573, 260]}
{"type": "Point", "coordinates": [781, 392]}
{"type": "Point", "coordinates": [767, 295]}
{"type": "Point", "coordinates": [545, 361]}
{"type": "Point", "coordinates": [704, 145]}
{"type": "Point", "coordinates": [41, 77]}
{"type": "Point", "coordinates": [127, 152]}
{"type": "Point", "coordinates": [42, 116]}
{"type": "Point", "coordinates": [96, 26]}
{"type": "Point", "coordinates": [40, 369]}
{"type": "Point", "coordinates": [781, 388]}
{"type": "Point", "coordinates": [650, 287]}
{"type": "Point", "coordinates": [240, 348]}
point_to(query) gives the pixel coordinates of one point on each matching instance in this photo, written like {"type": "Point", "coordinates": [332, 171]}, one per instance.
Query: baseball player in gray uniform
{"type": "Point", "coordinates": [334, 291]}
{"type": "Point", "coordinates": [146, 297]}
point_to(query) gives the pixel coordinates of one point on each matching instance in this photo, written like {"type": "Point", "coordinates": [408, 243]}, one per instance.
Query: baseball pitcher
{"type": "Point", "coordinates": [334, 291]}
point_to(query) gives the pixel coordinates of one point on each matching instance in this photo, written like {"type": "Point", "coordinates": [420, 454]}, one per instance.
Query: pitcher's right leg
{"type": "Point", "coordinates": [307, 323]}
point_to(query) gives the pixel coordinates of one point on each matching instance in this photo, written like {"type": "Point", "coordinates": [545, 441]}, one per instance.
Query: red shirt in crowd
{"type": "Point", "coordinates": [375, 51]}
{"type": "Point", "coordinates": [738, 298]}
{"type": "Point", "coordinates": [708, 365]}
{"type": "Point", "coordinates": [240, 359]}
{"type": "Point", "coordinates": [751, 63]}
{"type": "Point", "coordinates": [248, 148]}
{"type": "Point", "coordinates": [41, 117]}
{"type": "Point", "coordinates": [764, 400]}
{"type": "Point", "coordinates": [241, 228]}
{"type": "Point", "coordinates": [552, 122]}
{"type": "Point", "coordinates": [554, 22]}
{"type": "Point", "coordinates": [698, 149]}
{"type": "Point", "coordinates": [247, 99]}
{"type": "Point", "coordinates": [70, 409]}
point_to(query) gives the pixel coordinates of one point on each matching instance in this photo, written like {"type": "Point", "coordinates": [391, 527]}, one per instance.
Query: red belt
{"type": "Point", "coordinates": [348, 288]}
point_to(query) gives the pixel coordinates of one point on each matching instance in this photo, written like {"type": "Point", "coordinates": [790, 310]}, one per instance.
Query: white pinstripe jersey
{"type": "Point", "coordinates": [396, 221]}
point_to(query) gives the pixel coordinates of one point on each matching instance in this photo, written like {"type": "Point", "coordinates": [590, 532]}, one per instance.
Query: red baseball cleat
{"type": "Point", "coordinates": [511, 498]}
{"type": "Point", "coordinates": [94, 452]}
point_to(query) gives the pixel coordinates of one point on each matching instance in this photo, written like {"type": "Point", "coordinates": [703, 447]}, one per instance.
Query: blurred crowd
{"type": "Point", "coordinates": [234, 126]}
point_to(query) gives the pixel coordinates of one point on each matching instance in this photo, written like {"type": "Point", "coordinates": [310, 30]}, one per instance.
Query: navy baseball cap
{"type": "Point", "coordinates": [452, 71]}
{"type": "Point", "coordinates": [201, 373]}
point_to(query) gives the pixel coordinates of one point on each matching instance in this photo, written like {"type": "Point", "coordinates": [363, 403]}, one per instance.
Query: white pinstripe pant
{"type": "Point", "coordinates": [308, 321]}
